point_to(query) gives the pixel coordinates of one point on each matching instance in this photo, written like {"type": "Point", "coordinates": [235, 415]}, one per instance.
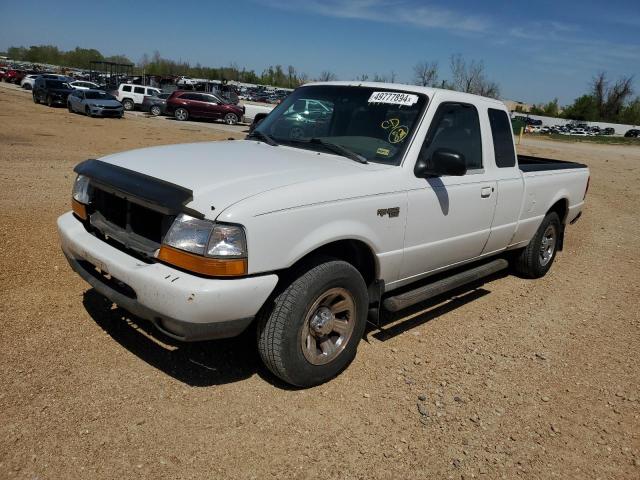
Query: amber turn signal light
{"type": "Point", "coordinates": [79, 209]}
{"type": "Point", "coordinates": [211, 267]}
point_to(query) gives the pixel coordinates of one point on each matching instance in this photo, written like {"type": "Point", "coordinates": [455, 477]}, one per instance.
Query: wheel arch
{"type": "Point", "coordinates": [353, 251]}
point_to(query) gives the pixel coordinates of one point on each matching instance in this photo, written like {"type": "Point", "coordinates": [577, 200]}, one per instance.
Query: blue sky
{"type": "Point", "coordinates": [534, 50]}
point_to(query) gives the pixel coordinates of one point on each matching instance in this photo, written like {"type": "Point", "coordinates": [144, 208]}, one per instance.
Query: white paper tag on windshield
{"type": "Point", "coordinates": [396, 98]}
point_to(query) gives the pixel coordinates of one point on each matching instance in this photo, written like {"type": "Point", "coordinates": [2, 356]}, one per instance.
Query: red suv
{"type": "Point", "coordinates": [14, 75]}
{"type": "Point", "coordinates": [184, 105]}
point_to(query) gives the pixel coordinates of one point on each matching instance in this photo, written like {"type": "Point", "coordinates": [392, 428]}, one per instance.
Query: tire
{"type": "Point", "coordinates": [292, 327]}
{"type": "Point", "coordinates": [535, 260]}
{"type": "Point", "coordinates": [230, 119]}
{"type": "Point", "coordinates": [87, 112]}
{"type": "Point", "coordinates": [69, 107]}
{"type": "Point", "coordinates": [35, 98]}
{"type": "Point", "coordinates": [49, 101]}
{"type": "Point", "coordinates": [128, 104]}
{"type": "Point", "coordinates": [27, 86]}
{"type": "Point", "coordinates": [181, 114]}
{"type": "Point", "coordinates": [155, 110]}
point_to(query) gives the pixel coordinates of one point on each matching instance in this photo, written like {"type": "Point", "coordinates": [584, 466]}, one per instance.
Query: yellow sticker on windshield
{"type": "Point", "coordinates": [383, 151]}
{"type": "Point", "coordinates": [398, 132]}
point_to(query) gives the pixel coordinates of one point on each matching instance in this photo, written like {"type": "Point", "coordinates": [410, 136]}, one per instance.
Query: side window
{"type": "Point", "coordinates": [138, 90]}
{"type": "Point", "coordinates": [189, 96]}
{"type": "Point", "coordinates": [152, 92]}
{"type": "Point", "coordinates": [502, 138]}
{"type": "Point", "coordinates": [455, 126]}
{"type": "Point", "coordinates": [126, 88]}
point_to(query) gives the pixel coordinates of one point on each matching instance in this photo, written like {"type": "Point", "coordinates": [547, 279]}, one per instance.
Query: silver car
{"type": "Point", "coordinates": [94, 103]}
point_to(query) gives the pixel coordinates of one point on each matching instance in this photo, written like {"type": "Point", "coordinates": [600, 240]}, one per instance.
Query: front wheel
{"type": "Point", "coordinates": [128, 104]}
{"type": "Point", "coordinates": [311, 330]}
{"type": "Point", "coordinates": [155, 110]}
{"type": "Point", "coordinates": [181, 114]}
{"type": "Point", "coordinates": [69, 107]}
{"type": "Point", "coordinates": [49, 101]}
{"type": "Point", "coordinates": [35, 98]}
{"type": "Point", "coordinates": [230, 119]}
{"type": "Point", "coordinates": [535, 260]}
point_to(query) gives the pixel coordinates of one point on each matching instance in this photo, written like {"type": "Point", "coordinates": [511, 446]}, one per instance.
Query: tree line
{"type": "Point", "coordinates": [605, 101]}
{"type": "Point", "coordinates": [465, 76]}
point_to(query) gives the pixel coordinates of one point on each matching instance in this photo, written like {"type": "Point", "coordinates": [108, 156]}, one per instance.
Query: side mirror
{"type": "Point", "coordinates": [256, 120]}
{"type": "Point", "coordinates": [443, 161]}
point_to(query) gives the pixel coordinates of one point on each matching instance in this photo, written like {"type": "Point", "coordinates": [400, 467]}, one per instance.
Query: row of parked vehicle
{"type": "Point", "coordinates": [183, 105]}
{"type": "Point", "coordinates": [579, 130]}
{"type": "Point", "coordinates": [261, 94]}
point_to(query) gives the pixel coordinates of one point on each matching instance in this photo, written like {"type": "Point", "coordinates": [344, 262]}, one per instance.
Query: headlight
{"type": "Point", "coordinates": [81, 189]}
{"type": "Point", "coordinates": [205, 247]}
{"type": "Point", "coordinates": [80, 196]}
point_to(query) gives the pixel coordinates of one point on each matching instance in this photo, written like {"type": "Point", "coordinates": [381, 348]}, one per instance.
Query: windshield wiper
{"type": "Point", "coordinates": [264, 137]}
{"type": "Point", "coordinates": [339, 149]}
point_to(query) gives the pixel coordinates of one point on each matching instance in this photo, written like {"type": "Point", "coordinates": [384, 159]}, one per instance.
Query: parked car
{"type": "Point", "coordinates": [632, 133]}
{"type": "Point", "coordinates": [155, 105]}
{"type": "Point", "coordinates": [28, 81]}
{"type": "Point", "coordinates": [84, 85]}
{"type": "Point", "coordinates": [410, 194]}
{"type": "Point", "coordinates": [133, 95]}
{"type": "Point", "coordinates": [14, 75]}
{"type": "Point", "coordinates": [94, 103]}
{"type": "Point", "coordinates": [50, 91]}
{"type": "Point", "coordinates": [184, 105]}
{"type": "Point", "coordinates": [607, 131]}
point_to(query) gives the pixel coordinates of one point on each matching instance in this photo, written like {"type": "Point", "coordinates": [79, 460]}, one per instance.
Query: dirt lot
{"type": "Point", "coordinates": [523, 379]}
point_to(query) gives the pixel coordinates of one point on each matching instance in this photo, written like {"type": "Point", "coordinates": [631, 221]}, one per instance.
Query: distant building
{"type": "Point", "coordinates": [514, 106]}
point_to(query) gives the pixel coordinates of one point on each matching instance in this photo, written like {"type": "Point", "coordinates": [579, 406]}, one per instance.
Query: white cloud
{"type": "Point", "coordinates": [391, 11]}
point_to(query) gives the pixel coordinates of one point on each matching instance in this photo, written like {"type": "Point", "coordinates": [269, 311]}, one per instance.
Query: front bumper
{"type": "Point", "coordinates": [181, 305]}
{"type": "Point", "coordinates": [106, 112]}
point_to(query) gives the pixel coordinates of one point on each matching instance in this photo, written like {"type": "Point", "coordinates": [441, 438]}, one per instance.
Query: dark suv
{"type": "Point", "coordinates": [51, 91]}
{"type": "Point", "coordinates": [184, 105]}
{"type": "Point", "coordinates": [632, 133]}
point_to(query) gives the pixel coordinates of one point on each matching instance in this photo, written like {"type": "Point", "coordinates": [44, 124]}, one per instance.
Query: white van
{"type": "Point", "coordinates": [132, 95]}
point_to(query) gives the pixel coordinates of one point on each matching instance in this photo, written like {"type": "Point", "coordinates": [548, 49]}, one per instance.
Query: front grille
{"type": "Point", "coordinates": [127, 222]}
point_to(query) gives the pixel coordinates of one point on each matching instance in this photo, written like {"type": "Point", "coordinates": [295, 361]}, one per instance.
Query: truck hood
{"type": "Point", "coordinates": [221, 174]}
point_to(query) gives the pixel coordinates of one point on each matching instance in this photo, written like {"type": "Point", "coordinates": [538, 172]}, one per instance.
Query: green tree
{"type": "Point", "coordinates": [584, 108]}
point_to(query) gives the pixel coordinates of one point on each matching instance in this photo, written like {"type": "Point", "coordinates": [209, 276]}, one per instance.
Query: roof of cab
{"type": "Point", "coordinates": [429, 91]}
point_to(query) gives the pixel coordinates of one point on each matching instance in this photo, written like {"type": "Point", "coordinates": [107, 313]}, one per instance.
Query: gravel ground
{"type": "Point", "coordinates": [516, 379]}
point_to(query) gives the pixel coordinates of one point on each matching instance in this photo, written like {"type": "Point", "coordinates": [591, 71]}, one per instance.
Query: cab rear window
{"type": "Point", "coordinates": [502, 138]}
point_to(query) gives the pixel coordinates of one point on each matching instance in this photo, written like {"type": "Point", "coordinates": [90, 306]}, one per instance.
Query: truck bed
{"type": "Point", "coordinates": [537, 164]}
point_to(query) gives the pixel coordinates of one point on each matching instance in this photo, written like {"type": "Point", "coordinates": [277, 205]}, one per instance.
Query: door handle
{"type": "Point", "coordinates": [486, 192]}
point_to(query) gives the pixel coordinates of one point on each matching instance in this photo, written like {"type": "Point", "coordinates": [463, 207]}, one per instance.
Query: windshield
{"type": "Point", "coordinates": [98, 96]}
{"type": "Point", "coordinates": [374, 123]}
{"type": "Point", "coordinates": [57, 84]}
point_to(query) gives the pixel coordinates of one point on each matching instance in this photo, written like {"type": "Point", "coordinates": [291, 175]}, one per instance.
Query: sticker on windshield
{"type": "Point", "coordinates": [397, 132]}
{"type": "Point", "coordinates": [383, 151]}
{"type": "Point", "coordinates": [395, 98]}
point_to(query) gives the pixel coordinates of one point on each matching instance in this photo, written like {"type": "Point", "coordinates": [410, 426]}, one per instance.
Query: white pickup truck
{"type": "Point", "coordinates": [347, 199]}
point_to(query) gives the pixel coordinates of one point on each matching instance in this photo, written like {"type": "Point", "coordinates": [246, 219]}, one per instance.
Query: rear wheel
{"type": "Point", "coordinates": [155, 110]}
{"type": "Point", "coordinates": [128, 104]}
{"type": "Point", "coordinates": [49, 101]}
{"type": "Point", "coordinates": [230, 119]}
{"type": "Point", "coordinates": [535, 260]}
{"type": "Point", "coordinates": [35, 98]}
{"type": "Point", "coordinates": [181, 114]}
{"type": "Point", "coordinates": [311, 330]}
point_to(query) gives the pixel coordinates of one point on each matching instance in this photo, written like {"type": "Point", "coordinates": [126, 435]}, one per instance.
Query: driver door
{"type": "Point", "coordinates": [449, 217]}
